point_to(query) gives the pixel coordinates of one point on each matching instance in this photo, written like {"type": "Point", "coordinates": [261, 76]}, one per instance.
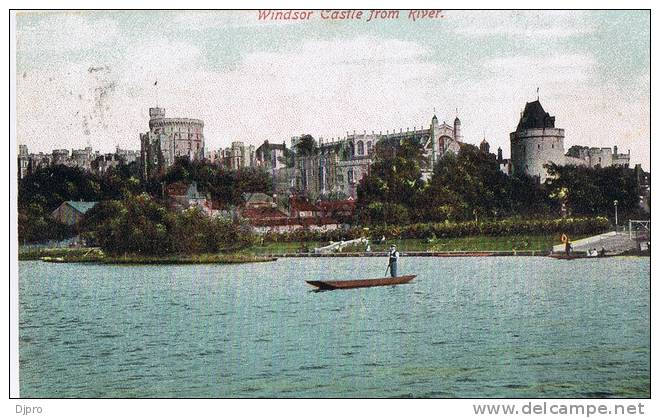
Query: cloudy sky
{"type": "Point", "coordinates": [88, 77]}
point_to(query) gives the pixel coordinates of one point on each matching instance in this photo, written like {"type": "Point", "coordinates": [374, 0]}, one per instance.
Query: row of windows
{"type": "Point", "coordinates": [360, 147]}
{"type": "Point", "coordinates": [339, 177]}
{"type": "Point", "coordinates": [169, 130]}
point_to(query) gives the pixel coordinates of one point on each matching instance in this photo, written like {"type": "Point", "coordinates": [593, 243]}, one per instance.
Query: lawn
{"type": "Point", "coordinates": [474, 243]}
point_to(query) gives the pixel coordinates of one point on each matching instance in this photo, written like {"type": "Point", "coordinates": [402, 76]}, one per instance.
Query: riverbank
{"type": "Point", "coordinates": [518, 244]}
{"type": "Point", "coordinates": [471, 246]}
{"type": "Point", "coordinates": [95, 255]}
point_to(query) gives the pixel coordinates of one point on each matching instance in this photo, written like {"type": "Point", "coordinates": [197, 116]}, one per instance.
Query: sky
{"type": "Point", "coordinates": [87, 78]}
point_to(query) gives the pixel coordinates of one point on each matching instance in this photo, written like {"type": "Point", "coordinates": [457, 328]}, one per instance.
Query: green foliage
{"type": "Point", "coordinates": [385, 213]}
{"type": "Point", "coordinates": [36, 225]}
{"type": "Point", "coordinates": [464, 186]}
{"type": "Point", "coordinates": [224, 185]}
{"type": "Point", "coordinates": [471, 185]}
{"type": "Point", "coordinates": [50, 186]}
{"type": "Point", "coordinates": [139, 225]}
{"type": "Point", "coordinates": [591, 191]}
{"type": "Point", "coordinates": [395, 181]}
{"type": "Point", "coordinates": [44, 190]}
{"type": "Point", "coordinates": [505, 227]}
{"type": "Point", "coordinates": [333, 196]}
{"type": "Point", "coordinates": [121, 181]}
{"type": "Point", "coordinates": [306, 146]}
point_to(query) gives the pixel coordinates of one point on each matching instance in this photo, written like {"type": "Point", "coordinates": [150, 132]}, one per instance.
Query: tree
{"type": "Point", "coordinates": [36, 225]}
{"type": "Point", "coordinates": [306, 146]}
{"type": "Point", "coordinates": [592, 191]}
{"type": "Point", "coordinates": [52, 185]}
{"type": "Point", "coordinates": [224, 185]}
{"type": "Point", "coordinates": [394, 179]}
{"type": "Point", "coordinates": [121, 181]}
{"type": "Point", "coordinates": [288, 158]}
{"type": "Point", "coordinates": [472, 181]}
{"type": "Point", "coordinates": [140, 225]}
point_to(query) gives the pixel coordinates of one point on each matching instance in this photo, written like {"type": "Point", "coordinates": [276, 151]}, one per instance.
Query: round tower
{"type": "Point", "coordinates": [536, 142]}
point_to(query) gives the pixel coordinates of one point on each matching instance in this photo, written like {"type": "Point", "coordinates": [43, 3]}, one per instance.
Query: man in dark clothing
{"type": "Point", "coordinates": [393, 258]}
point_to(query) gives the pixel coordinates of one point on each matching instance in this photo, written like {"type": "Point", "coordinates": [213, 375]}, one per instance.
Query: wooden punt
{"type": "Point", "coordinates": [352, 284]}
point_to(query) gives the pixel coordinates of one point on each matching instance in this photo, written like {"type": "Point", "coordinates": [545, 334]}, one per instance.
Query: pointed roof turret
{"type": "Point", "coordinates": [534, 116]}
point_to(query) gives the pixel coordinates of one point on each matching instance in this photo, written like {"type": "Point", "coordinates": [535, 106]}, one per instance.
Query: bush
{"type": "Point", "coordinates": [139, 225]}
{"type": "Point", "coordinates": [569, 226]}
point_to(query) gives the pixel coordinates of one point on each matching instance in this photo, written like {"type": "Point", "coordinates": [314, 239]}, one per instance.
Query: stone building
{"type": "Point", "coordinates": [23, 161]}
{"type": "Point", "coordinates": [335, 167]}
{"type": "Point", "coordinates": [436, 140]}
{"type": "Point", "coordinates": [168, 139]}
{"type": "Point", "coordinates": [484, 146]}
{"type": "Point", "coordinates": [235, 157]}
{"type": "Point", "coordinates": [240, 155]}
{"type": "Point", "coordinates": [536, 142]}
{"type": "Point", "coordinates": [85, 158]}
{"type": "Point", "coordinates": [126, 156]}
{"type": "Point", "coordinates": [60, 156]}
{"type": "Point", "coordinates": [504, 163]}
{"type": "Point", "coordinates": [599, 157]}
{"type": "Point", "coordinates": [271, 156]}
{"type": "Point", "coordinates": [339, 165]}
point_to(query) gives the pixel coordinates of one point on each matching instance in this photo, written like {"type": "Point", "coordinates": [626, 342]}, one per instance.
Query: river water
{"type": "Point", "coordinates": [465, 327]}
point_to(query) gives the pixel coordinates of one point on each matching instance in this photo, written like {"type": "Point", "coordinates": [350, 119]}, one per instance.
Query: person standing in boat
{"type": "Point", "coordinates": [393, 258]}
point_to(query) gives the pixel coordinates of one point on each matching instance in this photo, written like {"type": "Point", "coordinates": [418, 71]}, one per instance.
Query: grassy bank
{"type": "Point", "coordinates": [538, 242]}
{"type": "Point", "coordinates": [189, 259]}
{"type": "Point", "coordinates": [95, 255]}
{"type": "Point", "coordinates": [92, 254]}
{"type": "Point", "coordinates": [262, 252]}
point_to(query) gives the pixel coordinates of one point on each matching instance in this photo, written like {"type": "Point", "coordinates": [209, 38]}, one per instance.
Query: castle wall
{"type": "Point", "coordinates": [532, 148]}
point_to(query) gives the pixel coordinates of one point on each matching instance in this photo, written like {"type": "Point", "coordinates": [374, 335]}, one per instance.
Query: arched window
{"type": "Point", "coordinates": [369, 147]}
{"type": "Point", "coordinates": [360, 147]}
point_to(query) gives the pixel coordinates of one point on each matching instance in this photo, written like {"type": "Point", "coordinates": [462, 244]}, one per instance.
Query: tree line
{"type": "Point", "coordinates": [41, 192]}
{"type": "Point", "coordinates": [469, 185]}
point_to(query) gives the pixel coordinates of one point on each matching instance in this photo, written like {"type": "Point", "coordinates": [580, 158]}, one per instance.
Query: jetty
{"type": "Point", "coordinates": [614, 242]}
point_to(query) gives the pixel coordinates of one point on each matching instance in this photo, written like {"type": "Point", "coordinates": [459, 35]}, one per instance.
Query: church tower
{"type": "Point", "coordinates": [457, 130]}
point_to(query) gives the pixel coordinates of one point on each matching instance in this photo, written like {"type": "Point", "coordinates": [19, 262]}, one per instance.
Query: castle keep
{"type": "Point", "coordinates": [167, 139]}
{"type": "Point", "coordinates": [537, 142]}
